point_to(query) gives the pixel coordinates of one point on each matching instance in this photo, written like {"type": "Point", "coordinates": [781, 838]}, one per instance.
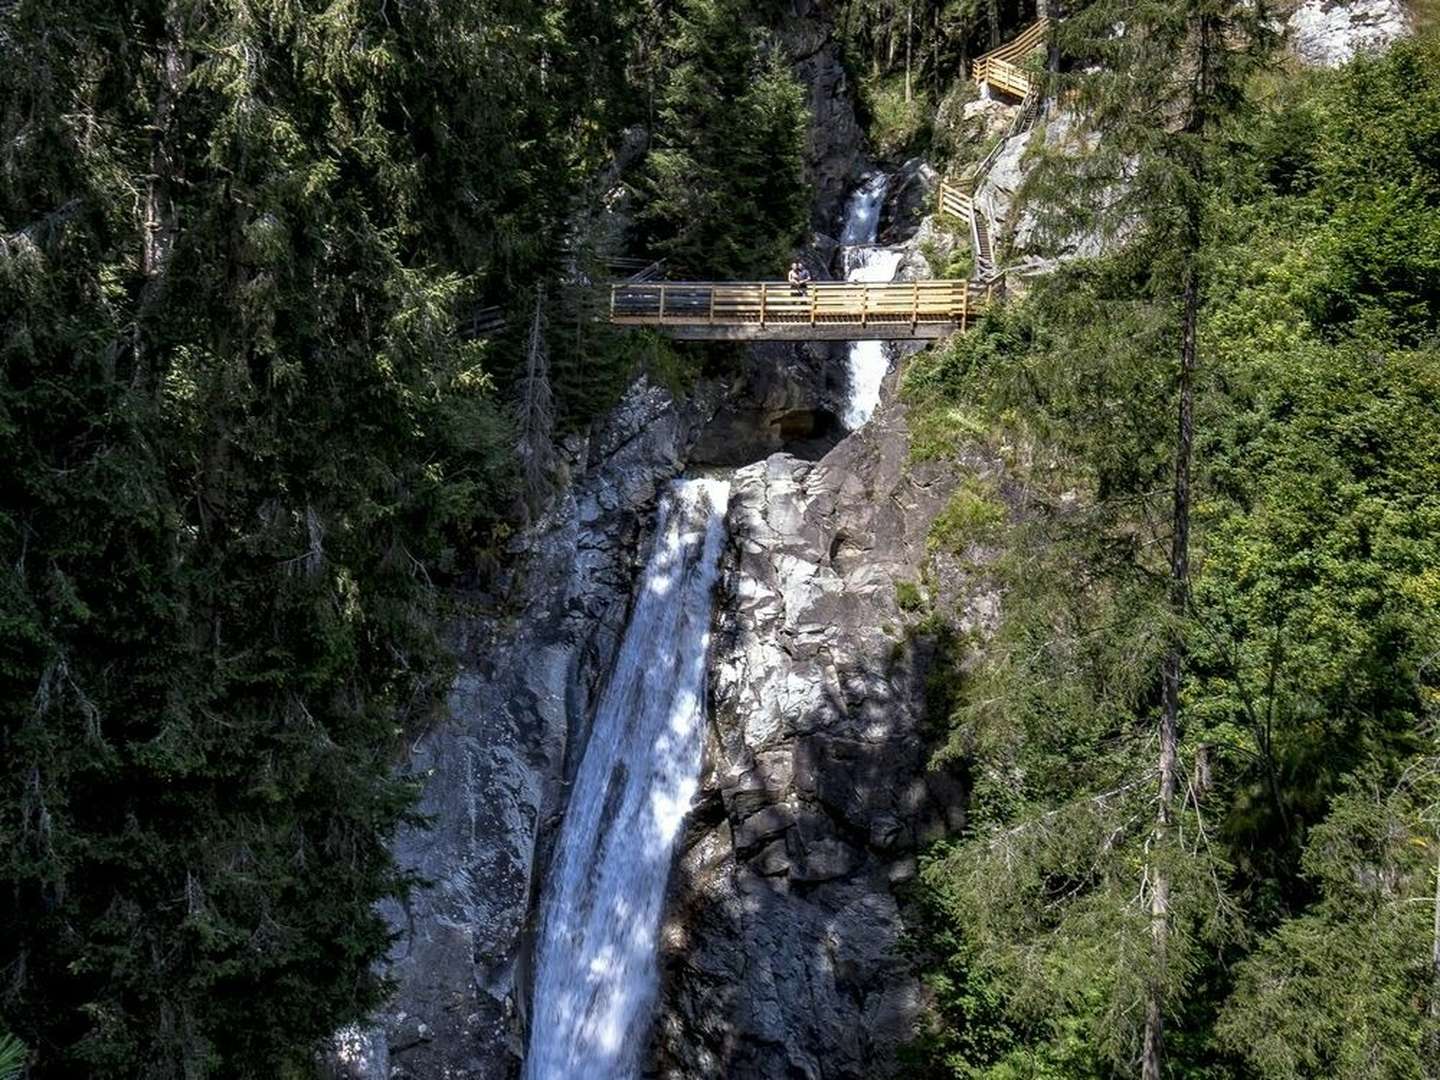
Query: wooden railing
{"type": "Point", "coordinates": [957, 196]}
{"type": "Point", "coordinates": [1001, 68]}
{"type": "Point", "coordinates": [954, 199]}
{"type": "Point", "coordinates": [821, 304]}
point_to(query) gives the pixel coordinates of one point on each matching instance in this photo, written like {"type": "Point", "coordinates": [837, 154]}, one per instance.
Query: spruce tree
{"type": "Point", "coordinates": [1149, 123]}
{"type": "Point", "coordinates": [723, 192]}
{"type": "Point", "coordinates": [1170, 75]}
{"type": "Point", "coordinates": [242, 440]}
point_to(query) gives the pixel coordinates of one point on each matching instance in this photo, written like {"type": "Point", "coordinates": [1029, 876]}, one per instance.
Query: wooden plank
{"type": "Point", "coordinates": [896, 331]}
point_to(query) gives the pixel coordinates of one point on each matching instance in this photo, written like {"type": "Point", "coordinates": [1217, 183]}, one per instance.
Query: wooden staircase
{"type": "Point", "coordinates": [980, 243]}
{"type": "Point", "coordinates": [957, 197]}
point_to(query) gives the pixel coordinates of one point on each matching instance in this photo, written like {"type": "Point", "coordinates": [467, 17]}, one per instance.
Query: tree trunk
{"type": "Point", "coordinates": [159, 224]}
{"type": "Point", "coordinates": [909, 47]}
{"type": "Point", "coordinates": [1153, 1052]}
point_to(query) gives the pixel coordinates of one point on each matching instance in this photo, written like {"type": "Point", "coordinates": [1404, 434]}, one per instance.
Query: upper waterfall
{"type": "Point", "coordinates": [869, 360]}
{"type": "Point", "coordinates": [596, 966]}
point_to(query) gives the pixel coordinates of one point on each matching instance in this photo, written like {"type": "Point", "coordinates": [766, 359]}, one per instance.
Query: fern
{"type": "Point", "coordinates": [12, 1057]}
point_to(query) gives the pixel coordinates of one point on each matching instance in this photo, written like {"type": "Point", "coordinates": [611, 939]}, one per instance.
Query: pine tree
{"type": "Point", "coordinates": [724, 195]}
{"type": "Point", "coordinates": [241, 442]}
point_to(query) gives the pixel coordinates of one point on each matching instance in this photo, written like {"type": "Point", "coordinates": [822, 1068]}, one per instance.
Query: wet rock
{"type": "Point", "coordinates": [785, 397]}
{"type": "Point", "coordinates": [911, 195]}
{"type": "Point", "coordinates": [493, 771]}
{"type": "Point", "coordinates": [792, 963]}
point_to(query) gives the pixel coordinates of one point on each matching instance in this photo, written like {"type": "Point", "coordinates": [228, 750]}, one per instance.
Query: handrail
{"type": "Point", "coordinates": [1020, 45]}
{"type": "Point", "coordinates": [1002, 67]}
{"type": "Point", "coordinates": [687, 303]}
{"type": "Point", "coordinates": [958, 196]}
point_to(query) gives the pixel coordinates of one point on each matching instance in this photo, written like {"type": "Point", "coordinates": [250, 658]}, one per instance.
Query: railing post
{"type": "Point", "coordinates": [613, 290]}
{"type": "Point", "coordinates": [814, 302]}
{"type": "Point", "coordinates": [965, 306]}
{"type": "Point", "coordinates": [914, 304]}
{"type": "Point", "coordinates": [661, 316]}
{"type": "Point", "coordinates": [764, 295]}
{"type": "Point", "coordinates": [712, 304]}
{"type": "Point", "coordinates": [864, 305]}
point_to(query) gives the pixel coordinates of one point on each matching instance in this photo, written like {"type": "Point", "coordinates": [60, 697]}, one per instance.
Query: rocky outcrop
{"type": "Point", "coordinates": [1328, 33]}
{"type": "Point", "coordinates": [912, 193]}
{"type": "Point", "coordinates": [493, 772]}
{"type": "Point", "coordinates": [834, 155]}
{"type": "Point", "coordinates": [785, 397]}
{"type": "Point", "coordinates": [782, 949]}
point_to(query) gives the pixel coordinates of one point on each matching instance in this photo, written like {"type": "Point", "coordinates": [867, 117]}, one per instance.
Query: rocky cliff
{"type": "Point", "coordinates": [783, 949]}
{"type": "Point", "coordinates": [494, 772]}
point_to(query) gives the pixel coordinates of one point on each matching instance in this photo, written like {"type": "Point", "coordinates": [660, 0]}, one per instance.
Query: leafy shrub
{"type": "Point", "coordinates": [897, 127]}
{"type": "Point", "coordinates": [909, 596]}
{"type": "Point", "coordinates": [972, 516]}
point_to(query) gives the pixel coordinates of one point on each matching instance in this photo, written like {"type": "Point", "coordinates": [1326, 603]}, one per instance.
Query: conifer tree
{"type": "Point", "coordinates": [1164, 78]}
{"type": "Point", "coordinates": [1171, 73]}
{"type": "Point", "coordinates": [241, 439]}
{"type": "Point", "coordinates": [724, 194]}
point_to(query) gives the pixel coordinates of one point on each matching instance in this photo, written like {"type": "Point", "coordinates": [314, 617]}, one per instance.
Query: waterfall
{"type": "Point", "coordinates": [869, 360]}
{"type": "Point", "coordinates": [597, 957]}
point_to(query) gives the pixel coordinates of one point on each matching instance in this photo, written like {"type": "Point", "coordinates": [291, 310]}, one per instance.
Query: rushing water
{"type": "Point", "coordinates": [597, 960]}
{"type": "Point", "coordinates": [869, 360]}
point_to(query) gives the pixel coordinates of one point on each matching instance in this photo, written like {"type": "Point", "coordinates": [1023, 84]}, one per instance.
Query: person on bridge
{"type": "Point", "coordinates": [798, 276]}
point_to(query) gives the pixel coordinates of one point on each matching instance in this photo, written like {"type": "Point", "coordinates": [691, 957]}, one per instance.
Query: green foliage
{"type": "Point", "coordinates": [723, 194]}
{"type": "Point", "coordinates": [898, 125]}
{"type": "Point", "coordinates": [932, 40]}
{"type": "Point", "coordinates": [1333, 991]}
{"type": "Point", "coordinates": [1304, 860]}
{"type": "Point", "coordinates": [972, 516]}
{"type": "Point", "coordinates": [12, 1057]}
{"type": "Point", "coordinates": [909, 596]}
{"type": "Point", "coordinates": [242, 443]}
{"type": "Point", "coordinates": [958, 266]}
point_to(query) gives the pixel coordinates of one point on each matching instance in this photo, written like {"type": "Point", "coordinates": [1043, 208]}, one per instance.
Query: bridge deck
{"type": "Point", "coordinates": [820, 311]}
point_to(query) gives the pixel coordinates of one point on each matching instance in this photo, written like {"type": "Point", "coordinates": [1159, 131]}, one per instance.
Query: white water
{"type": "Point", "coordinates": [597, 958]}
{"type": "Point", "coordinates": [869, 360]}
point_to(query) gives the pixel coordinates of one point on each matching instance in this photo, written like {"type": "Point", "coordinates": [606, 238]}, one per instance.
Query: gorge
{"type": "Point", "coordinates": [417, 664]}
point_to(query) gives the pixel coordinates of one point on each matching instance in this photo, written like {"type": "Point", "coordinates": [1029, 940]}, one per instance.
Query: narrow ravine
{"type": "Point", "coordinates": [596, 967]}
{"type": "Point", "coordinates": [862, 261]}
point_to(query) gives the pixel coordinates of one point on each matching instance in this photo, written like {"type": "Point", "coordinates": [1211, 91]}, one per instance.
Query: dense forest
{"type": "Point", "coordinates": [277, 282]}
{"type": "Point", "coordinates": [1203, 741]}
{"type": "Point", "coordinates": [246, 442]}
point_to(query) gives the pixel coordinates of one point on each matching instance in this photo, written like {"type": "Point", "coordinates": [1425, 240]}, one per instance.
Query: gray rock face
{"type": "Point", "coordinates": [782, 944]}
{"type": "Point", "coordinates": [834, 154]}
{"type": "Point", "coordinates": [788, 397]}
{"type": "Point", "coordinates": [911, 192]}
{"type": "Point", "coordinates": [1328, 33]}
{"type": "Point", "coordinates": [494, 770]}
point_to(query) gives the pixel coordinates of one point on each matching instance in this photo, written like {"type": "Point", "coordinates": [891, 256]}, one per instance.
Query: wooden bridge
{"type": "Point", "coordinates": [845, 310]}
{"type": "Point", "coordinates": [820, 311]}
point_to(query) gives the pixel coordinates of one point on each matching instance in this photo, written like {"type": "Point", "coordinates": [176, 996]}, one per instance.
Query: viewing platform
{"type": "Point", "coordinates": [819, 311]}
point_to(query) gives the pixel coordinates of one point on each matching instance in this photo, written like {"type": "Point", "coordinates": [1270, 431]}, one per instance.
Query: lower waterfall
{"type": "Point", "coordinates": [597, 956]}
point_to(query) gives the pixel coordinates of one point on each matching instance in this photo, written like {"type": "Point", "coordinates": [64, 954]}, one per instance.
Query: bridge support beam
{"type": "Point", "coordinates": [807, 332]}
